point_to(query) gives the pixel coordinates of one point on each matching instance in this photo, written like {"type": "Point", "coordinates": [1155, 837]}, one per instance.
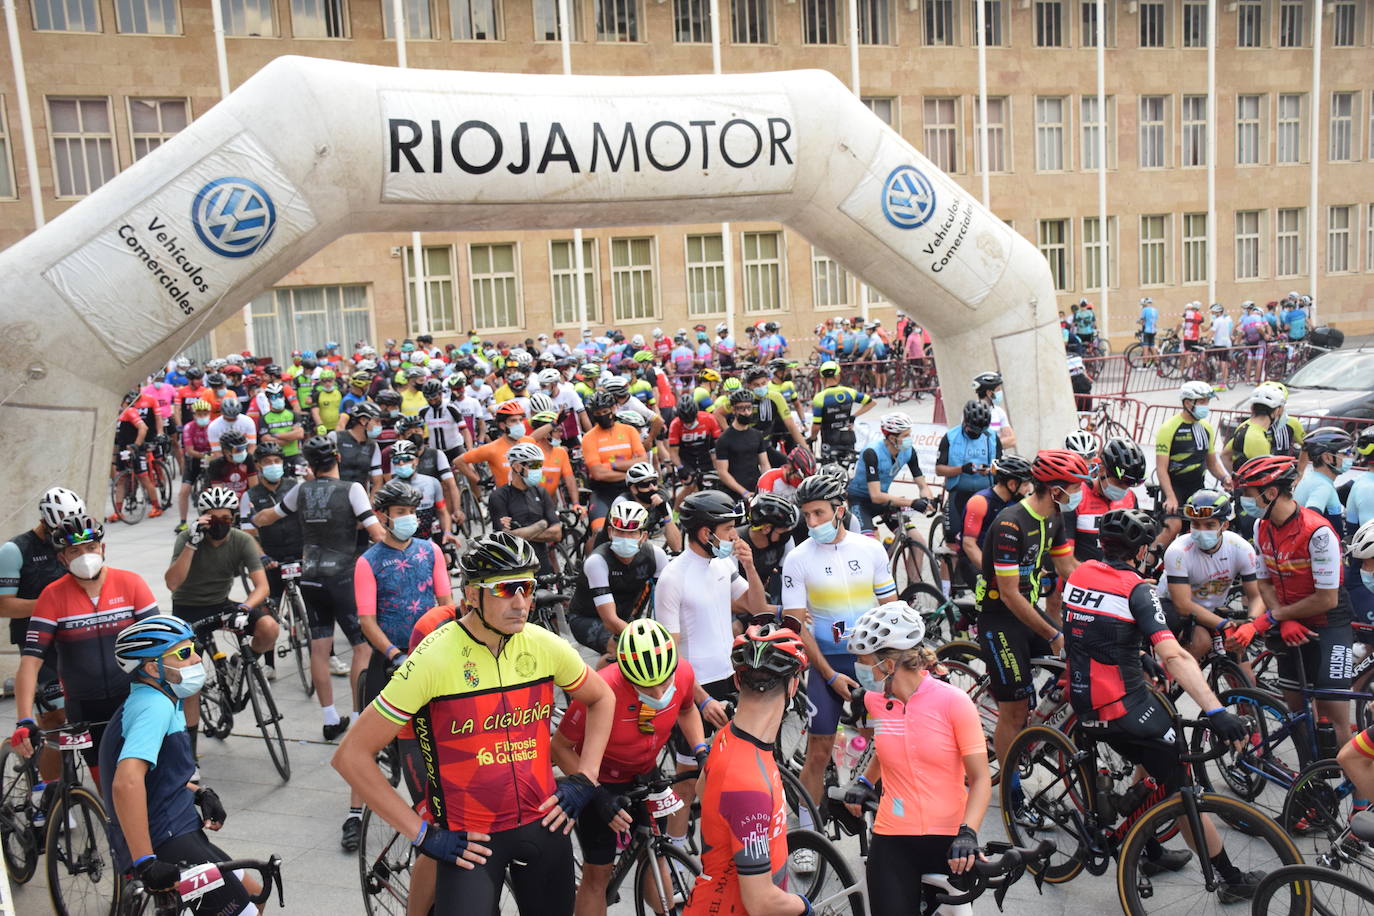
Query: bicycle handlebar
{"type": "Point", "coordinates": [171, 902]}
{"type": "Point", "coordinates": [1213, 753]}
{"type": "Point", "coordinates": [999, 873]}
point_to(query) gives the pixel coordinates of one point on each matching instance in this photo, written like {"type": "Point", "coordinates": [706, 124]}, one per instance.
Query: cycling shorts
{"type": "Point", "coordinates": [540, 863]}
{"type": "Point", "coordinates": [138, 458]}
{"type": "Point", "coordinates": [1192, 346]}
{"type": "Point", "coordinates": [1008, 646]}
{"type": "Point", "coordinates": [867, 512]}
{"type": "Point", "coordinates": [1144, 736]}
{"type": "Point", "coordinates": [190, 470]}
{"type": "Point", "coordinates": [1325, 662]}
{"type": "Point", "coordinates": [595, 836]}
{"type": "Point", "coordinates": [824, 699]}
{"type": "Point", "coordinates": [1147, 338]}
{"type": "Point", "coordinates": [590, 632]}
{"type": "Point", "coordinates": [894, 869]}
{"type": "Point", "coordinates": [196, 849]}
{"type": "Point", "coordinates": [723, 690]}
{"type": "Point", "coordinates": [330, 603]}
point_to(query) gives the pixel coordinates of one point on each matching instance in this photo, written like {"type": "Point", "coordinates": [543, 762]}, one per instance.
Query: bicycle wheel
{"type": "Point", "coordinates": [681, 871]}
{"type": "Point", "coordinates": [82, 878]}
{"type": "Point", "coordinates": [798, 801]}
{"type": "Point", "coordinates": [1271, 751]}
{"type": "Point", "coordinates": [961, 650]}
{"type": "Point", "coordinates": [1317, 808]}
{"type": "Point", "coordinates": [825, 885]}
{"type": "Point", "coordinates": [216, 711]}
{"type": "Point", "coordinates": [1048, 796]}
{"type": "Point", "coordinates": [1225, 674]}
{"type": "Point", "coordinates": [162, 479]}
{"type": "Point", "coordinates": [1135, 356]}
{"type": "Point", "coordinates": [975, 683]}
{"type": "Point", "coordinates": [298, 636]}
{"type": "Point", "coordinates": [269, 720]}
{"type": "Point", "coordinates": [1297, 890]}
{"type": "Point", "coordinates": [914, 562]}
{"type": "Point", "coordinates": [1253, 843]}
{"type": "Point", "coordinates": [17, 840]}
{"type": "Point", "coordinates": [385, 860]}
{"type": "Point", "coordinates": [796, 725]}
{"type": "Point", "coordinates": [135, 505]}
{"type": "Point", "coordinates": [935, 609]}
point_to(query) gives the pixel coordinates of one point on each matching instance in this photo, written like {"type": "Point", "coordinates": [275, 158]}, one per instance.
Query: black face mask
{"type": "Point", "coordinates": [219, 529]}
{"type": "Point", "coordinates": [605, 421]}
{"type": "Point", "coordinates": [744, 419]}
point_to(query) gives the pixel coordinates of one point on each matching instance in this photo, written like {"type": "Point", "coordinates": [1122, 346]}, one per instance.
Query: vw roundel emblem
{"type": "Point", "coordinates": [908, 198]}
{"type": "Point", "coordinates": [234, 217]}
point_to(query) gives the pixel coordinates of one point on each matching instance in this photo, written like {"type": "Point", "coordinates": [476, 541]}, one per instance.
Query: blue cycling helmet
{"type": "Point", "coordinates": [149, 639]}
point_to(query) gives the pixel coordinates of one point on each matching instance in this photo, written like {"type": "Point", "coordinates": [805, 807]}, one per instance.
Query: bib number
{"type": "Point", "coordinates": [291, 570]}
{"type": "Point", "coordinates": [199, 881]}
{"type": "Point", "coordinates": [75, 742]}
{"type": "Point", "coordinates": [662, 804]}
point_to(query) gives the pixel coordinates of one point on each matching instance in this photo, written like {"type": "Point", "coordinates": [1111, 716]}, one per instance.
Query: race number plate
{"type": "Point", "coordinates": [75, 742]}
{"type": "Point", "coordinates": [199, 881]}
{"type": "Point", "coordinates": [662, 804]}
{"type": "Point", "coordinates": [291, 570]}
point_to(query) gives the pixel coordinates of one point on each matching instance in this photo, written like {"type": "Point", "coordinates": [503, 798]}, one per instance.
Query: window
{"type": "Point", "coordinates": [1249, 129]}
{"type": "Point", "coordinates": [147, 17]}
{"type": "Point", "coordinates": [1087, 24]}
{"type": "Point", "coordinates": [563, 281]}
{"type": "Point", "coordinates": [7, 190]}
{"type": "Point", "coordinates": [1049, 24]}
{"type": "Point", "coordinates": [1289, 128]}
{"type": "Point", "coordinates": [1194, 23]}
{"type": "Point", "coordinates": [1250, 24]}
{"type": "Point", "coordinates": [327, 18]}
{"type": "Point", "coordinates": [1248, 224]}
{"type": "Point", "coordinates": [495, 287]}
{"type": "Point", "coordinates": [546, 20]}
{"type": "Point", "coordinates": [829, 281]}
{"type": "Point", "coordinates": [1053, 239]}
{"type": "Point", "coordinates": [302, 317]}
{"type": "Point", "coordinates": [705, 275]}
{"type": "Point", "coordinates": [751, 22]}
{"type": "Point", "coordinates": [884, 108]}
{"type": "Point", "coordinates": [152, 122]}
{"type": "Point", "coordinates": [1092, 252]}
{"type": "Point", "coordinates": [1154, 131]}
{"type": "Point", "coordinates": [478, 20]}
{"type": "Point", "coordinates": [1369, 240]}
{"type": "Point", "coordinates": [1092, 124]}
{"type": "Point", "coordinates": [249, 18]}
{"type": "Point", "coordinates": [1344, 21]}
{"type": "Point", "coordinates": [617, 20]}
{"type": "Point", "coordinates": [1154, 250]}
{"type": "Point", "coordinates": [1049, 133]}
{"type": "Point", "coordinates": [1288, 242]}
{"type": "Point", "coordinates": [939, 22]}
{"type": "Point", "coordinates": [83, 153]}
{"type": "Point", "coordinates": [1195, 248]}
{"type": "Point", "coordinates": [438, 284]}
{"type": "Point", "coordinates": [942, 133]}
{"type": "Point", "coordinates": [997, 135]}
{"type": "Point", "coordinates": [875, 22]}
{"type": "Point", "coordinates": [1292, 28]}
{"type": "Point", "coordinates": [1194, 130]}
{"type": "Point", "coordinates": [1154, 24]}
{"type": "Point", "coordinates": [1339, 258]}
{"type": "Point", "coordinates": [419, 19]}
{"type": "Point", "coordinates": [1342, 126]}
{"type": "Point", "coordinates": [994, 25]}
{"type": "Point", "coordinates": [65, 16]}
{"type": "Point", "coordinates": [763, 272]}
{"type": "Point", "coordinates": [632, 279]}
{"type": "Point", "coordinates": [820, 23]}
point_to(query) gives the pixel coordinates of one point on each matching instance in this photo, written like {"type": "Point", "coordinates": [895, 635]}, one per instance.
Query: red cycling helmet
{"type": "Point", "coordinates": [1266, 471]}
{"type": "Point", "coordinates": [1060, 467]}
{"type": "Point", "coordinates": [802, 461]}
{"type": "Point", "coordinates": [764, 654]}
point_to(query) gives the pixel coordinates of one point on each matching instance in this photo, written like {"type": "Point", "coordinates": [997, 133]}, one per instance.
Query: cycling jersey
{"type": "Point", "coordinates": [397, 587]}
{"type": "Point", "coordinates": [833, 409]}
{"type": "Point", "coordinates": [1081, 524]}
{"type": "Point", "coordinates": [770, 415]}
{"type": "Point", "coordinates": [957, 450]}
{"type": "Point", "coordinates": [1300, 556]}
{"type": "Point", "coordinates": [412, 401]}
{"type": "Point", "coordinates": [126, 429]}
{"type": "Point", "coordinates": [1317, 492]}
{"type": "Point", "coordinates": [643, 391]}
{"type": "Point", "coordinates": [602, 446]}
{"type": "Point", "coordinates": [482, 723]}
{"type": "Point", "coordinates": [630, 751]}
{"type": "Point", "coordinates": [1108, 609]}
{"type": "Point", "coordinates": [82, 632]}
{"type": "Point", "coordinates": [877, 463]}
{"type": "Point", "coordinates": [606, 579]}
{"type": "Point", "coordinates": [695, 443]}
{"type": "Point", "coordinates": [921, 745]}
{"type": "Point", "coordinates": [1359, 502]}
{"type": "Point", "coordinates": [837, 583]}
{"type": "Point", "coordinates": [1192, 324]}
{"type": "Point", "coordinates": [704, 398]}
{"type": "Point", "coordinates": [557, 468]}
{"type": "Point", "coordinates": [221, 472]}
{"type": "Point", "coordinates": [280, 421]}
{"type": "Point", "coordinates": [1187, 443]}
{"type": "Point", "coordinates": [1208, 575]}
{"type": "Point", "coordinates": [328, 403]}
{"type": "Point", "coordinates": [743, 823]}
{"type": "Point", "coordinates": [1252, 439]}
{"type": "Point", "coordinates": [1018, 542]}
{"type": "Point", "coordinates": [282, 541]}
{"type": "Point", "coordinates": [774, 481]}
{"type": "Point", "coordinates": [494, 455]}
{"type": "Point", "coordinates": [28, 564]}
{"type": "Point", "coordinates": [980, 511]}
{"type": "Point", "coordinates": [693, 601]}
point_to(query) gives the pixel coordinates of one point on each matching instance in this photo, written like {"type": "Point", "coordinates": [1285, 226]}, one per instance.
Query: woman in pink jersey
{"type": "Point", "coordinates": [931, 756]}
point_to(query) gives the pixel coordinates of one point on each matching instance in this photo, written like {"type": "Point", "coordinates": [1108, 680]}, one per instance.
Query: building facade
{"type": "Point", "coordinates": [110, 80]}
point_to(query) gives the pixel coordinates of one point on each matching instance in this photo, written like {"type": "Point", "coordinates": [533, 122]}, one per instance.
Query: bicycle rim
{"type": "Point", "coordinates": [681, 871]}
{"type": "Point", "coordinates": [1271, 749]}
{"type": "Point", "coordinates": [299, 637]}
{"type": "Point", "coordinates": [825, 885]}
{"type": "Point", "coordinates": [82, 879]}
{"type": "Point", "coordinates": [1317, 808]}
{"type": "Point", "coordinates": [385, 861]}
{"type": "Point", "coordinates": [1054, 803]}
{"type": "Point", "coordinates": [17, 840]}
{"type": "Point", "coordinates": [798, 800]}
{"type": "Point", "coordinates": [268, 719]}
{"type": "Point", "coordinates": [135, 501]}
{"type": "Point", "coordinates": [974, 682]}
{"type": "Point", "coordinates": [1310, 890]}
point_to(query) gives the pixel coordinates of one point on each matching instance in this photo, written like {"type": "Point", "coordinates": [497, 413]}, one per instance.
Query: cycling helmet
{"type": "Point", "coordinates": [1269, 396]}
{"type": "Point", "coordinates": [1364, 443]}
{"type": "Point", "coordinates": [741, 396]}
{"type": "Point", "coordinates": [830, 367]}
{"type": "Point", "coordinates": [1203, 504]}
{"type": "Point", "coordinates": [977, 416]}
{"type": "Point", "coordinates": [403, 449]}
{"type": "Point", "coordinates": [1361, 545]}
{"type": "Point", "coordinates": [276, 389]}
{"type": "Point", "coordinates": [1147, 301]}
{"type": "Point", "coordinates": [1266, 471]}
{"type": "Point", "coordinates": [1195, 391]}
{"type": "Point", "coordinates": [517, 383]}
{"type": "Point", "coordinates": [194, 373]}
{"type": "Point", "coordinates": [523, 359]}
{"type": "Point", "coordinates": [628, 516]}
{"type": "Point", "coordinates": [233, 439]}
{"type": "Point", "coordinates": [986, 381]}
{"type": "Point", "coordinates": [756, 373]}
{"type": "Point", "coordinates": [524, 453]}
{"type": "Point", "coordinates": [456, 381]}
{"type": "Point", "coordinates": [542, 403]}
{"type": "Point", "coordinates": [328, 375]}
{"type": "Point", "coordinates": [234, 359]}
{"type": "Point", "coordinates": [640, 472]}
{"type": "Point", "coordinates": [1327, 440]}
{"type": "Point", "coordinates": [183, 363]}
{"type": "Point", "coordinates": [267, 450]}
{"type": "Point", "coordinates": [59, 504]}
{"type": "Point", "coordinates": [732, 384]}
{"type": "Point", "coordinates": [230, 408]}
{"type": "Point", "coordinates": [722, 328]}
{"type": "Point", "coordinates": [894, 625]}
{"type": "Point", "coordinates": [835, 472]}
{"type": "Point", "coordinates": [707, 509]}
{"type": "Point", "coordinates": [500, 555]}
{"type": "Point", "coordinates": [589, 372]}
{"type": "Point", "coordinates": [818, 487]}
{"type": "Point", "coordinates": [408, 424]}
{"type": "Point", "coordinates": [389, 398]}
{"type": "Point", "coordinates": [200, 405]}
{"type": "Point", "coordinates": [149, 639]}
{"type": "Point", "coordinates": [771, 509]}
{"type": "Point", "coordinates": [1217, 308]}
{"type": "Point", "coordinates": [687, 410]}
{"type": "Point", "coordinates": [645, 653]}
{"type": "Point", "coordinates": [217, 498]}
{"type": "Point", "coordinates": [1012, 467]}
{"type": "Point", "coordinates": [76, 530]}
{"type": "Point", "coordinates": [363, 411]}
{"type": "Point", "coordinates": [432, 388]}
{"type": "Point", "coordinates": [1123, 459]}
{"type": "Point", "coordinates": [549, 377]}
{"type": "Point", "coordinates": [644, 356]}
{"type": "Point", "coordinates": [778, 364]}
{"type": "Point", "coordinates": [802, 461]}
{"type": "Point", "coordinates": [771, 327]}
{"type": "Point", "coordinates": [763, 656]}
{"type": "Point", "coordinates": [1083, 443]}
{"type": "Point", "coordinates": [252, 381]}
{"type": "Point", "coordinates": [395, 492]}
{"type": "Point", "coordinates": [320, 451]}
{"type": "Point", "coordinates": [1131, 528]}
{"type": "Point", "coordinates": [1059, 467]}
{"type": "Point", "coordinates": [511, 408]}
{"type": "Point", "coordinates": [600, 400]}
{"type": "Point", "coordinates": [895, 424]}
{"type": "Point", "coordinates": [615, 385]}
{"type": "Point", "coordinates": [631, 418]}
{"type": "Point", "coordinates": [360, 378]}
{"type": "Point", "coordinates": [709, 375]}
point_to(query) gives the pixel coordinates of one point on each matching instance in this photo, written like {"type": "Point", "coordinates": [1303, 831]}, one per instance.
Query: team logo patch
{"type": "Point", "coordinates": [524, 664]}
{"type": "Point", "coordinates": [470, 674]}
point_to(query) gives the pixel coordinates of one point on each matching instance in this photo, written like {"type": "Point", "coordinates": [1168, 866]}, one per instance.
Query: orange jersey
{"type": "Point", "coordinates": [602, 446]}
{"type": "Point", "coordinates": [494, 454]}
{"type": "Point", "coordinates": [557, 468]}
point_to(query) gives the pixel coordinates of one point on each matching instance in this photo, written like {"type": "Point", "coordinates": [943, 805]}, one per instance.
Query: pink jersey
{"type": "Point", "coordinates": [164, 394]}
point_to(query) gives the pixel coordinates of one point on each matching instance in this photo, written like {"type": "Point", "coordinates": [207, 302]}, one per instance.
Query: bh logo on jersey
{"type": "Point", "coordinates": [234, 217]}
{"type": "Point", "coordinates": [908, 198]}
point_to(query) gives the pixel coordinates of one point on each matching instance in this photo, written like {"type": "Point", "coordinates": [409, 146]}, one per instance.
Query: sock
{"type": "Point", "coordinates": [355, 813]}
{"type": "Point", "coordinates": [331, 715]}
{"type": "Point", "coordinates": [804, 819]}
{"type": "Point", "coordinates": [944, 586]}
{"type": "Point", "coordinates": [1359, 804]}
{"type": "Point", "coordinates": [679, 841]}
{"type": "Point", "coordinates": [193, 732]}
{"type": "Point", "coordinates": [1222, 863]}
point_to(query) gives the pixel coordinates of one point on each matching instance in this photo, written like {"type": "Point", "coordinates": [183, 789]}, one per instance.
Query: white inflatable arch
{"type": "Point", "coordinates": [310, 150]}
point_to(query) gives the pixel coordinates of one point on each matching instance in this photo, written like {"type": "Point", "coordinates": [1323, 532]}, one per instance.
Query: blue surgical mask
{"type": "Point", "coordinates": [534, 477]}
{"type": "Point", "coordinates": [823, 533]}
{"type": "Point", "coordinates": [1347, 463]}
{"type": "Point", "coordinates": [1201, 411]}
{"type": "Point", "coordinates": [373, 432]}
{"type": "Point", "coordinates": [202, 421]}
{"type": "Point", "coordinates": [1113, 493]}
{"type": "Point", "coordinates": [1249, 505]}
{"type": "Point", "coordinates": [868, 679]}
{"type": "Point", "coordinates": [404, 471]}
{"type": "Point", "coordinates": [1367, 579]}
{"type": "Point", "coordinates": [272, 472]}
{"type": "Point", "coordinates": [238, 457]}
{"type": "Point", "coordinates": [624, 547]}
{"type": "Point", "coordinates": [662, 702]}
{"type": "Point", "coordinates": [277, 403]}
{"type": "Point", "coordinates": [760, 391]}
{"type": "Point", "coordinates": [997, 397]}
{"type": "Point", "coordinates": [394, 412]}
{"type": "Point", "coordinates": [1206, 540]}
{"type": "Point", "coordinates": [1075, 497]}
{"type": "Point", "coordinates": [192, 679]}
{"type": "Point", "coordinates": [404, 527]}
{"type": "Point", "coordinates": [723, 550]}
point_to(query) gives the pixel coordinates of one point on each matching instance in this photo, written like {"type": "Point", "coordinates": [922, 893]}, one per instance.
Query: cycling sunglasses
{"type": "Point", "coordinates": [509, 588]}
{"type": "Point", "coordinates": [1203, 511]}
{"type": "Point", "coordinates": [181, 654]}
{"type": "Point", "coordinates": [77, 538]}
{"type": "Point", "coordinates": [787, 620]}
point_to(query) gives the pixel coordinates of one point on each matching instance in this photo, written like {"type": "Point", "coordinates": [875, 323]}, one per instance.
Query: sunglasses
{"type": "Point", "coordinates": [787, 620]}
{"type": "Point", "coordinates": [181, 654]}
{"type": "Point", "coordinates": [509, 588]}
{"type": "Point", "coordinates": [1201, 511]}
{"type": "Point", "coordinates": [77, 538]}
{"type": "Point", "coordinates": [646, 719]}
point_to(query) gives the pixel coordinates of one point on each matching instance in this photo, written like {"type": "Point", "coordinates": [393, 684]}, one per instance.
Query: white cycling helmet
{"type": "Point", "coordinates": [1271, 396]}
{"type": "Point", "coordinates": [217, 498]}
{"type": "Point", "coordinates": [1083, 443]}
{"type": "Point", "coordinates": [658, 332]}
{"type": "Point", "coordinates": [637, 340]}
{"type": "Point", "coordinates": [722, 327]}
{"type": "Point", "coordinates": [640, 472]}
{"type": "Point", "coordinates": [616, 385]}
{"type": "Point", "coordinates": [894, 625]}
{"type": "Point", "coordinates": [1195, 391]}
{"type": "Point", "coordinates": [1361, 546]}
{"type": "Point", "coordinates": [628, 516]}
{"type": "Point", "coordinates": [631, 418]}
{"type": "Point", "coordinates": [524, 453]}
{"type": "Point", "coordinates": [58, 505]}
{"type": "Point", "coordinates": [549, 377]}
{"type": "Point", "coordinates": [895, 423]}
{"type": "Point", "coordinates": [1147, 301]}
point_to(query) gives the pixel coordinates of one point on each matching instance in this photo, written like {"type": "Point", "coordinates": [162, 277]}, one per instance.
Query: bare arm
{"type": "Point", "coordinates": [260, 591]}
{"type": "Point", "coordinates": [1183, 668]}
{"type": "Point", "coordinates": [131, 806]}
{"type": "Point", "coordinates": [1181, 594]}
{"type": "Point", "coordinates": [180, 568]}
{"type": "Point", "coordinates": [723, 472]}
{"type": "Point", "coordinates": [1009, 587]}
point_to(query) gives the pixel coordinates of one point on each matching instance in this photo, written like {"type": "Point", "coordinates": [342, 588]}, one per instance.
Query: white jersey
{"type": "Point", "coordinates": [567, 399]}
{"type": "Point", "coordinates": [1209, 575]}
{"type": "Point", "coordinates": [693, 599]}
{"type": "Point", "coordinates": [482, 394]}
{"type": "Point", "coordinates": [441, 425]}
{"type": "Point", "coordinates": [837, 583]}
{"type": "Point", "coordinates": [219, 426]}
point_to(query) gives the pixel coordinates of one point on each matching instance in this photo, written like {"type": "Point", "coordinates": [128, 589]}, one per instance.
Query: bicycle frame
{"type": "Point", "coordinates": [645, 840]}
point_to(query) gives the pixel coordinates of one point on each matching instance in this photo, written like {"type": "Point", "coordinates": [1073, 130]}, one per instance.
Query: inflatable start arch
{"type": "Point", "coordinates": [309, 150]}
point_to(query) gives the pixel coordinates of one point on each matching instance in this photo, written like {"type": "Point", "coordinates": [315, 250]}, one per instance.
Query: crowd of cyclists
{"type": "Point", "coordinates": [723, 542]}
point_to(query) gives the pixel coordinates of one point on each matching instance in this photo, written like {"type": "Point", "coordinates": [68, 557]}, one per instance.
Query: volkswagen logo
{"type": "Point", "coordinates": [234, 217]}
{"type": "Point", "coordinates": [908, 198]}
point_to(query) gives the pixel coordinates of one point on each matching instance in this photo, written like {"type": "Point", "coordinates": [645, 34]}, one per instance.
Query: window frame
{"type": "Point", "coordinates": [1299, 236]}
{"type": "Point", "coordinates": [654, 277]}
{"type": "Point", "coordinates": [53, 138]}
{"type": "Point", "coordinates": [1089, 250]}
{"type": "Point", "coordinates": [161, 136]}
{"type": "Point", "coordinates": [1166, 225]}
{"type": "Point", "coordinates": [890, 23]}
{"type": "Point", "coordinates": [770, 27]}
{"type": "Point", "coordinates": [1087, 7]}
{"type": "Point", "coordinates": [1084, 125]}
{"type": "Point", "coordinates": [345, 16]}
{"type": "Point", "coordinates": [954, 130]}
{"type": "Point", "coordinates": [1258, 240]}
{"type": "Point", "coordinates": [999, 23]}
{"type": "Point", "coordinates": [574, 13]}
{"type": "Point", "coordinates": [1166, 37]}
{"type": "Point", "coordinates": [1352, 124]}
{"type": "Point", "coordinates": [1001, 129]}
{"type": "Point", "coordinates": [834, 29]}
{"type": "Point", "coordinates": [704, 267]}
{"type": "Point", "coordinates": [1351, 234]}
{"type": "Point", "coordinates": [95, 9]}
{"type": "Point", "coordinates": [1259, 8]}
{"type": "Point", "coordinates": [474, 276]}
{"type": "Point", "coordinates": [431, 279]}
{"type": "Point", "coordinates": [746, 263]}
{"type": "Point", "coordinates": [1164, 123]}
{"type": "Point", "coordinates": [1304, 9]}
{"type": "Point", "coordinates": [1046, 128]}
{"type": "Point", "coordinates": [1193, 248]}
{"type": "Point", "coordinates": [640, 25]}
{"type": "Point", "coordinates": [1354, 10]}
{"type": "Point", "coordinates": [180, 28]}
{"type": "Point", "coordinates": [591, 268]}
{"type": "Point", "coordinates": [1041, 24]}
{"type": "Point", "coordinates": [846, 282]}
{"type": "Point", "coordinates": [1369, 238]}
{"type": "Point", "coordinates": [895, 104]}
{"type": "Point", "coordinates": [271, 5]}
{"type": "Point", "coordinates": [1280, 122]}
{"type": "Point", "coordinates": [1258, 122]}
{"type": "Point", "coordinates": [1187, 124]}
{"type": "Point", "coordinates": [1063, 248]}
{"type": "Point", "coordinates": [434, 29]}
{"type": "Point", "coordinates": [951, 29]}
{"type": "Point", "coordinates": [1193, 7]}
{"type": "Point", "coordinates": [7, 161]}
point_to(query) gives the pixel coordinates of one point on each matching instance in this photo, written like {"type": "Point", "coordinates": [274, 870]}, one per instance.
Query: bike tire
{"type": "Point", "coordinates": [1317, 807]}
{"type": "Point", "coordinates": [385, 862]}
{"type": "Point", "coordinates": [1224, 674]}
{"type": "Point", "coordinates": [1067, 808]}
{"type": "Point", "coordinates": [298, 637]}
{"type": "Point", "coordinates": [1135, 356]}
{"type": "Point", "coordinates": [268, 720]}
{"type": "Point", "coordinates": [18, 843]}
{"type": "Point", "coordinates": [831, 869]}
{"type": "Point", "coordinates": [162, 481]}
{"type": "Point", "coordinates": [938, 612]}
{"type": "Point", "coordinates": [1268, 718]}
{"type": "Point", "coordinates": [961, 650]}
{"type": "Point", "coordinates": [80, 867]}
{"type": "Point", "coordinates": [974, 682]}
{"type": "Point", "coordinates": [798, 799]}
{"type": "Point", "coordinates": [1251, 838]}
{"type": "Point", "coordinates": [1302, 883]}
{"type": "Point", "coordinates": [682, 875]}
{"type": "Point", "coordinates": [216, 709]}
{"type": "Point", "coordinates": [135, 506]}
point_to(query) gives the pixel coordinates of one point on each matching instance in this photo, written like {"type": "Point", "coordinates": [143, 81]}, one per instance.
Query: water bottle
{"type": "Point", "coordinates": [1326, 739]}
{"type": "Point", "coordinates": [40, 817]}
{"type": "Point", "coordinates": [838, 752]}
{"type": "Point", "coordinates": [853, 750]}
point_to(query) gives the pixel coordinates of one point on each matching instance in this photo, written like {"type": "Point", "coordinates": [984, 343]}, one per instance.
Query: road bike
{"type": "Point", "coordinates": [660, 868]}
{"type": "Point", "coordinates": [295, 621]}
{"type": "Point", "coordinates": [233, 681]}
{"type": "Point", "coordinates": [1312, 889]}
{"type": "Point", "coordinates": [197, 881]}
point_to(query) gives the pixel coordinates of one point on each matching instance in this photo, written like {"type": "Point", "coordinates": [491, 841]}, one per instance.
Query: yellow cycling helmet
{"type": "Point", "coordinates": [646, 653]}
{"type": "Point", "coordinates": [710, 375]}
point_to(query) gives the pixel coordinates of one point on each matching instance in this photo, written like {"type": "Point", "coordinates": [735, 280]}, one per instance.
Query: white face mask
{"type": "Point", "coordinates": [87, 566]}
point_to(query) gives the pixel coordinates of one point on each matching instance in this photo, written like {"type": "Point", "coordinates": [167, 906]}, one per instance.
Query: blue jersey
{"type": "Point", "coordinates": [877, 463]}
{"type": "Point", "coordinates": [1317, 492]}
{"type": "Point", "coordinates": [176, 379]}
{"type": "Point", "coordinates": [1296, 319]}
{"type": "Point", "coordinates": [404, 583]}
{"type": "Point", "coordinates": [1149, 319]}
{"type": "Point", "coordinates": [827, 343]}
{"type": "Point", "coordinates": [1359, 502]}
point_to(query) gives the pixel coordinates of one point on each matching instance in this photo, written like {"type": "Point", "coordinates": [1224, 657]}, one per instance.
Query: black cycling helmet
{"type": "Point", "coordinates": [389, 398]}
{"type": "Point", "coordinates": [777, 364]}
{"type": "Point", "coordinates": [771, 509]}
{"type": "Point", "coordinates": [232, 439]}
{"type": "Point", "coordinates": [215, 380]}
{"type": "Point", "coordinates": [977, 416]}
{"type": "Point", "coordinates": [1326, 440]}
{"type": "Point", "coordinates": [1128, 528]}
{"type": "Point", "coordinates": [601, 400]}
{"type": "Point", "coordinates": [1012, 467]}
{"type": "Point", "coordinates": [1364, 442]}
{"type": "Point", "coordinates": [320, 451]}
{"type": "Point", "coordinates": [687, 410]}
{"type": "Point", "coordinates": [272, 369]}
{"type": "Point", "coordinates": [407, 423]}
{"type": "Point", "coordinates": [267, 450]}
{"type": "Point", "coordinates": [986, 381]}
{"type": "Point", "coordinates": [1208, 504]}
{"type": "Point", "coordinates": [1123, 459]}
{"type": "Point", "coordinates": [707, 509]}
{"type": "Point", "coordinates": [195, 372]}
{"type": "Point", "coordinates": [308, 362]}
{"type": "Point", "coordinates": [755, 372]}
{"type": "Point", "coordinates": [822, 486]}
{"type": "Point", "coordinates": [432, 388]}
{"type": "Point", "coordinates": [498, 556]}
{"type": "Point", "coordinates": [363, 411]}
{"type": "Point", "coordinates": [395, 492]}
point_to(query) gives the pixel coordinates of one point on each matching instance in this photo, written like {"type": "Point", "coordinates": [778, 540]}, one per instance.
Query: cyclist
{"type": "Point", "coordinates": [834, 577]}
{"type": "Point", "coordinates": [741, 454]}
{"type": "Point", "coordinates": [523, 507]}
{"type": "Point", "coordinates": [1331, 452]}
{"type": "Point", "coordinates": [1222, 327]}
{"type": "Point", "coordinates": [784, 481]}
{"type": "Point", "coordinates": [1359, 511]}
{"type": "Point", "coordinates": [654, 690]}
{"type": "Point", "coordinates": [359, 456]}
{"type": "Point", "coordinates": [878, 467]}
{"type": "Point", "coordinates": [1300, 581]}
{"type": "Point", "coordinates": [987, 387]}
{"type": "Point", "coordinates": [691, 442]}
{"type": "Point", "coordinates": [1108, 610]}
{"type": "Point", "coordinates": [231, 418]}
{"type": "Point", "coordinates": [1085, 445]}
{"type": "Point", "coordinates": [433, 463]}
{"type": "Point", "coordinates": [771, 521]}
{"type": "Point", "coordinates": [609, 449]}
{"type": "Point", "coordinates": [642, 484]}
{"type": "Point", "coordinates": [325, 401]}
{"type": "Point", "coordinates": [781, 382]}
{"type": "Point", "coordinates": [158, 815]}
{"type": "Point", "coordinates": [1011, 627]}
{"type": "Point", "coordinates": [130, 452]}
{"type": "Point", "coordinates": [233, 468]}
{"type": "Point", "coordinates": [507, 429]}
{"type": "Point", "coordinates": [1149, 326]}
{"type": "Point", "coordinates": [707, 389]}
{"type": "Point", "coordinates": [966, 453]}
{"type": "Point", "coordinates": [1010, 475]}
{"type": "Point", "coordinates": [280, 424]}
{"type": "Point", "coordinates": [931, 756]}
{"type": "Point", "coordinates": [743, 810]}
{"type": "Point", "coordinates": [493, 805]}
{"type": "Point", "coordinates": [1268, 431]}
{"type": "Point", "coordinates": [617, 580]}
{"type": "Point", "coordinates": [278, 544]}
{"type": "Point", "coordinates": [1192, 334]}
{"type": "Point", "coordinates": [772, 417]}
{"type": "Point", "coordinates": [1185, 449]}
{"type": "Point", "coordinates": [833, 413]}
{"type": "Point", "coordinates": [1121, 466]}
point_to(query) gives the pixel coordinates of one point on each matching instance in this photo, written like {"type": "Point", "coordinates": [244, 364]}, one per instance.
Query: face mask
{"type": "Point", "coordinates": [404, 528]}
{"type": "Point", "coordinates": [624, 547]}
{"type": "Point", "coordinates": [823, 533]}
{"type": "Point", "coordinates": [1207, 540]}
{"type": "Point", "coordinates": [272, 472]}
{"type": "Point", "coordinates": [605, 422]}
{"type": "Point", "coordinates": [1367, 579]}
{"type": "Point", "coordinates": [373, 432]}
{"type": "Point", "coordinates": [404, 471]}
{"type": "Point", "coordinates": [1249, 505]}
{"type": "Point", "coordinates": [394, 413]}
{"type": "Point", "coordinates": [394, 363]}
{"type": "Point", "coordinates": [87, 566]}
{"type": "Point", "coordinates": [1347, 463]}
{"type": "Point", "coordinates": [534, 477]}
{"type": "Point", "coordinates": [1201, 411]}
{"type": "Point", "coordinates": [219, 529]}
{"type": "Point", "coordinates": [221, 391]}
{"type": "Point", "coordinates": [761, 391]}
{"type": "Point", "coordinates": [869, 677]}
{"type": "Point", "coordinates": [997, 397]}
{"type": "Point", "coordinates": [515, 430]}
{"type": "Point", "coordinates": [1113, 493]}
{"type": "Point", "coordinates": [723, 550]}
{"type": "Point", "coordinates": [238, 457]}
{"type": "Point", "coordinates": [277, 403]}
{"type": "Point", "coordinates": [662, 702]}
{"type": "Point", "coordinates": [192, 679]}
{"type": "Point", "coordinates": [744, 419]}
{"type": "Point", "coordinates": [1075, 498]}
{"type": "Point", "coordinates": [202, 421]}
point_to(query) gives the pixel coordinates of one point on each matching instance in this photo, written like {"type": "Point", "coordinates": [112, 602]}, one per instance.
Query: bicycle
{"type": "Point", "coordinates": [234, 681]}
{"type": "Point", "coordinates": [913, 562]}
{"type": "Point", "coordinates": [197, 881]}
{"type": "Point", "coordinates": [650, 854]}
{"type": "Point", "coordinates": [1312, 889]}
{"type": "Point", "coordinates": [295, 622]}
{"type": "Point", "coordinates": [385, 872]}
{"type": "Point", "coordinates": [134, 506]}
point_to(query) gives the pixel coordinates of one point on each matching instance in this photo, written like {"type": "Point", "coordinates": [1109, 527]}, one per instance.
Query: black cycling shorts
{"type": "Point", "coordinates": [196, 849]}
{"type": "Point", "coordinates": [138, 458]}
{"type": "Point", "coordinates": [190, 470]}
{"type": "Point", "coordinates": [590, 632]}
{"type": "Point", "coordinates": [1147, 338]}
{"type": "Point", "coordinates": [540, 863]}
{"type": "Point", "coordinates": [894, 869]}
{"type": "Point", "coordinates": [1144, 736]}
{"type": "Point", "coordinates": [1327, 660]}
{"type": "Point", "coordinates": [1008, 646]}
{"type": "Point", "coordinates": [330, 603]}
{"type": "Point", "coordinates": [595, 836]}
